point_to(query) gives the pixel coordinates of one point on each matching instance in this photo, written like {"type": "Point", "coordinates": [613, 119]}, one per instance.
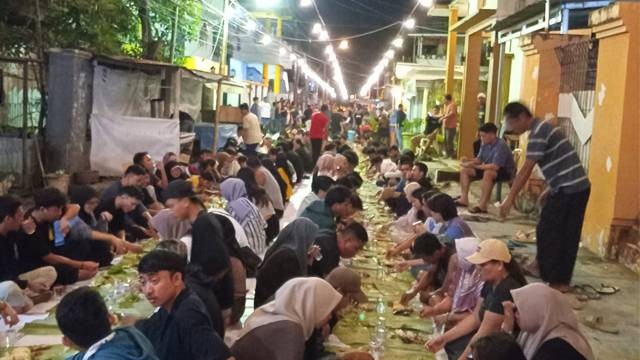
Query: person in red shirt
{"type": "Point", "coordinates": [318, 131]}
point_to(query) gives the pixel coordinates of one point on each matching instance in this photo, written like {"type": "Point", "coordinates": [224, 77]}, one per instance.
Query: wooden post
{"type": "Point", "coordinates": [25, 120]}
{"type": "Point", "coordinates": [452, 42]}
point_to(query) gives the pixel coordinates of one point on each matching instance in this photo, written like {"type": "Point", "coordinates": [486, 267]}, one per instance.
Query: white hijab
{"type": "Point", "coordinates": [544, 314]}
{"type": "Point", "coordinates": [305, 301]}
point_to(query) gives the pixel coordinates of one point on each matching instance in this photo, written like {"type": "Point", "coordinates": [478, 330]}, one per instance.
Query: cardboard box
{"type": "Point", "coordinates": [229, 115]}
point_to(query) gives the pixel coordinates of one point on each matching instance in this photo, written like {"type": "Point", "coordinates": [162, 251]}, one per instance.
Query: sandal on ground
{"type": "Point", "coordinates": [607, 289]}
{"type": "Point", "coordinates": [477, 210]}
{"type": "Point", "coordinates": [589, 291]}
{"type": "Point", "coordinates": [598, 323]}
{"type": "Point", "coordinates": [460, 204]}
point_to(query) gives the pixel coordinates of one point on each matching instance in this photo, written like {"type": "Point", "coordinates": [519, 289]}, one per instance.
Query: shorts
{"type": "Point", "coordinates": [503, 175]}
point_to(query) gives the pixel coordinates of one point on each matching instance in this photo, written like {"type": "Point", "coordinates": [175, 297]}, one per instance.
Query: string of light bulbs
{"type": "Point", "coordinates": [409, 23]}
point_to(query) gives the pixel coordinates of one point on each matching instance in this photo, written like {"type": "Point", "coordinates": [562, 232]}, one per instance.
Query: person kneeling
{"type": "Point", "coordinates": [494, 163]}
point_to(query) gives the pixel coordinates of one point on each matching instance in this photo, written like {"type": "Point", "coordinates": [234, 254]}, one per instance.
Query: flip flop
{"type": "Point", "coordinates": [459, 204]}
{"type": "Point", "coordinates": [590, 291]}
{"type": "Point", "coordinates": [477, 210]}
{"type": "Point", "coordinates": [607, 289]}
{"type": "Point", "coordinates": [598, 323]}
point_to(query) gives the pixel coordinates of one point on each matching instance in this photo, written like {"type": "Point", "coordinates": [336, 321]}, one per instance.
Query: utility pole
{"type": "Point", "coordinates": [225, 39]}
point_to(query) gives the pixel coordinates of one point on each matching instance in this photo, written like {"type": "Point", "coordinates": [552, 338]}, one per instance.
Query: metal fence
{"type": "Point", "coordinates": [578, 68]}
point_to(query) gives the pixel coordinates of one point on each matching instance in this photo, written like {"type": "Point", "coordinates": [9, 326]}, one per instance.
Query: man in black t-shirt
{"type": "Point", "coordinates": [344, 243]}
{"type": "Point", "coordinates": [181, 328]}
{"type": "Point", "coordinates": [114, 209]}
{"type": "Point", "coordinates": [38, 235]}
{"type": "Point", "coordinates": [208, 250]}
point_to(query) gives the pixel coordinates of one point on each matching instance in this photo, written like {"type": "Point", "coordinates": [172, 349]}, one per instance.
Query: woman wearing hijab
{"type": "Point", "coordinates": [301, 305]}
{"type": "Point", "coordinates": [288, 257]}
{"type": "Point", "coordinates": [325, 166]}
{"type": "Point", "coordinates": [260, 199]}
{"type": "Point", "coordinates": [245, 212]}
{"type": "Point", "coordinates": [175, 171]}
{"type": "Point", "coordinates": [87, 198]}
{"type": "Point", "coordinates": [548, 325]}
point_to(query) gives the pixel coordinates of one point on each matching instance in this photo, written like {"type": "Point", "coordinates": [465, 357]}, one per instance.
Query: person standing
{"type": "Point", "coordinates": [397, 120]}
{"type": "Point", "coordinates": [265, 115]}
{"type": "Point", "coordinates": [255, 107]}
{"type": "Point", "coordinates": [560, 226]}
{"type": "Point", "coordinates": [318, 131]}
{"type": "Point", "coordinates": [251, 133]}
{"type": "Point", "coordinates": [450, 122]}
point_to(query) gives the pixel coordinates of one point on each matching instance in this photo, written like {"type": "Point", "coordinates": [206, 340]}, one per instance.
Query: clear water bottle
{"type": "Point", "coordinates": [380, 306]}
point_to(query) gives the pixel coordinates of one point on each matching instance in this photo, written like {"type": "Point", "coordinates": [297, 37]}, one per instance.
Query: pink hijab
{"type": "Point", "coordinates": [544, 314]}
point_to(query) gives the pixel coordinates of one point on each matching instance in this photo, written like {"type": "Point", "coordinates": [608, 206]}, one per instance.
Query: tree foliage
{"type": "Point", "coordinates": [140, 28]}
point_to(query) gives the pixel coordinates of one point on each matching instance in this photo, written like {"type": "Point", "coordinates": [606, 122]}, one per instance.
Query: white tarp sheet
{"type": "Point", "coordinates": [115, 138]}
{"type": "Point", "coordinates": [122, 92]}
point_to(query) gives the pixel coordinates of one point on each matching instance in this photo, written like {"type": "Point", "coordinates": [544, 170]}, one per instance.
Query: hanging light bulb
{"type": "Point", "coordinates": [328, 50]}
{"type": "Point", "coordinates": [397, 42]}
{"type": "Point", "coordinates": [324, 36]}
{"type": "Point", "coordinates": [344, 45]}
{"type": "Point", "coordinates": [293, 57]}
{"type": "Point", "coordinates": [316, 29]}
{"type": "Point", "coordinates": [306, 3]}
{"type": "Point", "coordinates": [410, 23]}
{"type": "Point", "coordinates": [426, 3]}
{"type": "Point", "coordinates": [283, 51]}
{"type": "Point", "coordinates": [266, 39]}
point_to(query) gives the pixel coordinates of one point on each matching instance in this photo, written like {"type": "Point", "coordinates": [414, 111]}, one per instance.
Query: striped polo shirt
{"type": "Point", "coordinates": [557, 159]}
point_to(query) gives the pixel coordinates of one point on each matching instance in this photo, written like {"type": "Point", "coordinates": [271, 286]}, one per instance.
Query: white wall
{"type": "Point", "coordinates": [513, 47]}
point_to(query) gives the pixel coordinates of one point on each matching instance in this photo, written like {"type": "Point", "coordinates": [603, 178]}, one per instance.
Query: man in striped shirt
{"type": "Point", "coordinates": [560, 226]}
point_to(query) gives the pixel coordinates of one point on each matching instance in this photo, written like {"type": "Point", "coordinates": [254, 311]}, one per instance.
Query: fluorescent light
{"type": "Point", "coordinates": [316, 29]}
{"type": "Point", "coordinates": [324, 35]}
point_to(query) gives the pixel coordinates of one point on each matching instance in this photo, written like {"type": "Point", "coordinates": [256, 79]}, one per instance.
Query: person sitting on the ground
{"type": "Point", "coordinates": [460, 299]}
{"type": "Point", "coordinates": [304, 155]}
{"type": "Point", "coordinates": [175, 171]}
{"type": "Point", "coordinates": [284, 171]}
{"type": "Point", "coordinates": [497, 346]}
{"type": "Point", "coordinates": [114, 209]}
{"type": "Point", "coordinates": [169, 227]}
{"type": "Point", "coordinates": [413, 192]}
{"type": "Point", "coordinates": [207, 250]}
{"type": "Point", "coordinates": [227, 164]}
{"type": "Point", "coordinates": [501, 274]}
{"type": "Point", "coordinates": [548, 326]}
{"type": "Point", "coordinates": [338, 203]}
{"type": "Point", "coordinates": [266, 180]}
{"type": "Point", "coordinates": [134, 224]}
{"type": "Point", "coordinates": [444, 211]}
{"type": "Point", "coordinates": [245, 212]}
{"type": "Point", "coordinates": [198, 282]}
{"type": "Point", "coordinates": [438, 279]}
{"type": "Point", "coordinates": [493, 164]}
{"type": "Point", "coordinates": [207, 184]}
{"type": "Point", "coordinates": [345, 243]}
{"type": "Point", "coordinates": [158, 181]}
{"type": "Point", "coordinates": [319, 187]}
{"type": "Point", "coordinates": [85, 323]}
{"type": "Point", "coordinates": [200, 164]}
{"type": "Point", "coordinates": [181, 328]}
{"type": "Point", "coordinates": [289, 257]}
{"type": "Point", "coordinates": [325, 166]}
{"type": "Point", "coordinates": [19, 287]}
{"type": "Point", "coordinates": [284, 187]}
{"type": "Point", "coordinates": [259, 197]}
{"type": "Point", "coordinates": [348, 169]}
{"type": "Point", "coordinates": [393, 195]}
{"type": "Point", "coordinates": [293, 158]}
{"type": "Point", "coordinates": [419, 173]}
{"type": "Point", "coordinates": [300, 306]}
{"type": "Point", "coordinates": [35, 246]}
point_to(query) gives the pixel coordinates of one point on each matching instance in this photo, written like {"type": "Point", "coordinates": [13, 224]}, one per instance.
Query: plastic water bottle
{"type": "Point", "coordinates": [380, 306]}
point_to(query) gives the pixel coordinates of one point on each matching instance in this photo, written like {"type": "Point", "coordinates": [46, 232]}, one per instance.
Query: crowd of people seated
{"type": "Point", "coordinates": [197, 274]}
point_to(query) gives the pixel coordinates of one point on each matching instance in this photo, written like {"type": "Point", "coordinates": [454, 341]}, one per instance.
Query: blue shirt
{"type": "Point", "coordinates": [498, 154]}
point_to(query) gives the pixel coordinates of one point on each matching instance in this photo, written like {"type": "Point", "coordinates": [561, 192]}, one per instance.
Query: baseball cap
{"type": "Point", "coordinates": [349, 282]}
{"type": "Point", "coordinates": [178, 189]}
{"type": "Point", "coordinates": [488, 250]}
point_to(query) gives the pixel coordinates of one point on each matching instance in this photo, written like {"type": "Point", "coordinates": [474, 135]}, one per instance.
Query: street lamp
{"type": "Point", "coordinates": [397, 42]}
{"type": "Point", "coordinates": [344, 45]}
{"type": "Point", "coordinates": [306, 3]}
{"type": "Point", "coordinates": [426, 3]}
{"type": "Point", "coordinates": [410, 23]}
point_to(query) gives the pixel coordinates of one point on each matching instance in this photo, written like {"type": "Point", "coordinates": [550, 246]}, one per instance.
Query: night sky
{"type": "Point", "coordinates": [350, 17]}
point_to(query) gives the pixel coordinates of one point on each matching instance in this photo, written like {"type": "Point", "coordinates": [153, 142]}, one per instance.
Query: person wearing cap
{"type": "Point", "coordinates": [501, 274]}
{"type": "Point", "coordinates": [207, 246]}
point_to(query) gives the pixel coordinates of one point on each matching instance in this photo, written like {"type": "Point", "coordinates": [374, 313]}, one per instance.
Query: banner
{"type": "Point", "coordinates": [114, 140]}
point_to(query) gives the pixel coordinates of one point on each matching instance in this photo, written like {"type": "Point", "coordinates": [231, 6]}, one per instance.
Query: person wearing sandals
{"type": "Point", "coordinates": [548, 326]}
{"type": "Point", "coordinates": [494, 163]}
{"type": "Point", "coordinates": [501, 274]}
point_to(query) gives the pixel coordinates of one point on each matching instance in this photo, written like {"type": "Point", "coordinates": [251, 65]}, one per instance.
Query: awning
{"type": "Point", "coordinates": [473, 20]}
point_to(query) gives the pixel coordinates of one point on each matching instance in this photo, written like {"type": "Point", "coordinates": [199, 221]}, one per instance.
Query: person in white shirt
{"type": "Point", "coordinates": [251, 133]}
{"type": "Point", "coordinates": [265, 114]}
{"type": "Point", "coordinates": [319, 187]}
